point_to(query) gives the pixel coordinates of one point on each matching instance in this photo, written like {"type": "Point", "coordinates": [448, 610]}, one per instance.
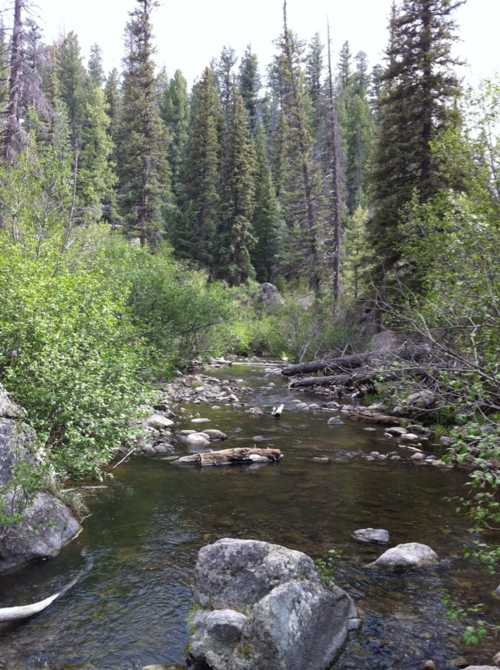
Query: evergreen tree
{"type": "Point", "coordinates": [238, 198]}
{"type": "Point", "coordinates": [303, 185]}
{"type": "Point", "coordinates": [113, 104]}
{"type": "Point", "coordinates": [36, 64]}
{"type": "Point", "coordinates": [96, 176]}
{"type": "Point", "coordinates": [196, 230]}
{"type": "Point", "coordinates": [266, 218]}
{"type": "Point", "coordinates": [345, 66]}
{"type": "Point", "coordinates": [4, 67]}
{"type": "Point", "coordinates": [314, 76]}
{"type": "Point", "coordinates": [142, 164]}
{"type": "Point", "coordinates": [249, 86]}
{"type": "Point", "coordinates": [72, 86]}
{"type": "Point", "coordinates": [417, 105]}
{"type": "Point", "coordinates": [95, 68]}
{"type": "Point", "coordinates": [225, 80]}
{"type": "Point", "coordinates": [175, 115]}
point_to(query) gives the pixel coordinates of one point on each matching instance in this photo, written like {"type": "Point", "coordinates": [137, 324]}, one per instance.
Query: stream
{"type": "Point", "coordinates": [146, 527]}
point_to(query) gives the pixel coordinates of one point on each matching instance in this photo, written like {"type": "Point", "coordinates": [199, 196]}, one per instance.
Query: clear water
{"type": "Point", "coordinates": [147, 526]}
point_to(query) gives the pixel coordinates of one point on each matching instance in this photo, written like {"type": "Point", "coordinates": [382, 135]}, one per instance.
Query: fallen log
{"type": "Point", "coordinates": [407, 352]}
{"type": "Point", "coordinates": [340, 363]}
{"type": "Point", "coordinates": [361, 414]}
{"type": "Point", "coordinates": [240, 456]}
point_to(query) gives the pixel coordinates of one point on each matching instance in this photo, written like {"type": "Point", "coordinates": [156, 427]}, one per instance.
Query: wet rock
{"type": "Point", "coordinates": [314, 406]}
{"type": "Point", "coordinates": [497, 591]}
{"type": "Point", "coordinates": [418, 456]}
{"type": "Point", "coordinates": [409, 555]}
{"type": "Point", "coordinates": [215, 435]}
{"type": "Point", "coordinates": [409, 437]}
{"type": "Point", "coordinates": [256, 411]}
{"type": "Point", "coordinates": [321, 459]}
{"type": "Point", "coordinates": [496, 659]}
{"type": "Point", "coordinates": [375, 535]}
{"type": "Point", "coordinates": [429, 665]}
{"type": "Point", "coordinates": [459, 662]}
{"type": "Point", "coordinates": [159, 422]}
{"type": "Point", "coordinates": [263, 606]}
{"type": "Point", "coordinates": [200, 420]}
{"type": "Point", "coordinates": [335, 421]}
{"type": "Point", "coordinates": [396, 431]}
{"type": "Point", "coordinates": [370, 429]}
{"type": "Point", "coordinates": [481, 667]}
{"type": "Point", "coordinates": [164, 448]}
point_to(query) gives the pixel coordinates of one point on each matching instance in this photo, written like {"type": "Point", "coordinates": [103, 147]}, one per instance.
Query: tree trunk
{"type": "Point", "coordinates": [12, 132]}
{"type": "Point", "coordinates": [244, 456]}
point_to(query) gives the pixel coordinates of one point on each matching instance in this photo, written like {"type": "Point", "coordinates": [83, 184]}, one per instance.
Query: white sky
{"type": "Point", "coordinates": [189, 33]}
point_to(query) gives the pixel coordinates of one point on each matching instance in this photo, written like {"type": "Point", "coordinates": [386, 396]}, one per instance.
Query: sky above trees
{"type": "Point", "coordinates": [189, 33]}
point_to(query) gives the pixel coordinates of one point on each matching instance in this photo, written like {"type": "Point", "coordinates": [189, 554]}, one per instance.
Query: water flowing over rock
{"type": "Point", "coordinates": [409, 555]}
{"type": "Point", "coordinates": [263, 606]}
{"type": "Point", "coordinates": [44, 524]}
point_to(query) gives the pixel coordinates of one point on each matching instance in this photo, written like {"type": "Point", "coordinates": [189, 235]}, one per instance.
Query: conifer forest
{"type": "Point", "coordinates": [302, 254]}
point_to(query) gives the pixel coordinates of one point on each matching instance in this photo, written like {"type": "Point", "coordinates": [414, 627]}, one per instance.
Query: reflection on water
{"type": "Point", "coordinates": [146, 528]}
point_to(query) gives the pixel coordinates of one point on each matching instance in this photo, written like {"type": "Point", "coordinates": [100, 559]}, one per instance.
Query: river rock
{"type": "Point", "coordinates": [159, 422]}
{"type": "Point", "coordinates": [335, 421]}
{"type": "Point", "coordinates": [376, 535]}
{"type": "Point", "coordinates": [215, 435]}
{"type": "Point", "coordinates": [396, 431]}
{"type": "Point", "coordinates": [200, 420]}
{"type": "Point", "coordinates": [45, 524]}
{"type": "Point", "coordinates": [199, 440]}
{"type": "Point", "coordinates": [421, 399]}
{"type": "Point", "coordinates": [263, 606]}
{"type": "Point", "coordinates": [481, 667]}
{"type": "Point", "coordinates": [409, 437]}
{"type": "Point", "coordinates": [409, 555]}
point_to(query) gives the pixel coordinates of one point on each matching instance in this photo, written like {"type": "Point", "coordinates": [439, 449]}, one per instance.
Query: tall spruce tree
{"type": "Point", "coordinates": [417, 105]}
{"type": "Point", "coordinates": [72, 86]}
{"type": "Point", "coordinates": [314, 80]}
{"type": "Point", "coordinates": [303, 185]}
{"type": "Point", "coordinates": [249, 86]}
{"type": "Point", "coordinates": [175, 115]}
{"type": "Point", "coordinates": [195, 232]}
{"type": "Point", "coordinates": [266, 219]}
{"type": "Point", "coordinates": [238, 198]}
{"type": "Point", "coordinates": [142, 164]}
{"type": "Point", "coordinates": [95, 67]}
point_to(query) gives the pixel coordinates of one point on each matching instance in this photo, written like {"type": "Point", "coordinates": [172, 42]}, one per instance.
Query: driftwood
{"type": "Point", "coordinates": [362, 414]}
{"type": "Point", "coordinates": [353, 361]}
{"type": "Point", "coordinates": [232, 457]}
{"type": "Point", "coordinates": [8, 614]}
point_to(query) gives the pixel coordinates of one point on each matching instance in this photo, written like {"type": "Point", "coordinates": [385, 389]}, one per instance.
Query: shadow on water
{"type": "Point", "coordinates": [147, 527]}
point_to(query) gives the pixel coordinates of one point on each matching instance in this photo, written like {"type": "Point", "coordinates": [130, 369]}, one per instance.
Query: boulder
{"type": "Point", "coordinates": [42, 524]}
{"type": "Point", "coordinates": [421, 399]}
{"type": "Point", "coordinates": [198, 440]}
{"type": "Point", "coordinates": [410, 555]}
{"type": "Point", "coordinates": [263, 606]}
{"type": "Point", "coordinates": [375, 535]}
{"type": "Point", "coordinates": [270, 297]}
{"type": "Point", "coordinates": [159, 422]}
{"type": "Point", "coordinates": [215, 435]}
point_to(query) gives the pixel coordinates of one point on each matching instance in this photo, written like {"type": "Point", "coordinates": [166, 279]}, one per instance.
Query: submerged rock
{"type": "Point", "coordinates": [263, 606]}
{"type": "Point", "coordinates": [159, 422]}
{"type": "Point", "coordinates": [376, 535]}
{"type": "Point", "coordinates": [409, 555]}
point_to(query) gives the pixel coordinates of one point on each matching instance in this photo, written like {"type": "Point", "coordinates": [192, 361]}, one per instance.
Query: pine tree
{"type": "Point", "coordinates": [36, 65]}
{"type": "Point", "coordinates": [303, 184]}
{"type": "Point", "coordinates": [314, 80]}
{"type": "Point", "coordinates": [195, 235]}
{"type": "Point", "coordinates": [113, 104]}
{"type": "Point", "coordinates": [96, 176]}
{"type": "Point", "coordinates": [417, 105]}
{"type": "Point", "coordinates": [95, 67]}
{"type": "Point", "coordinates": [249, 86]}
{"type": "Point", "coordinates": [142, 164]}
{"type": "Point", "coordinates": [238, 198]}
{"type": "Point", "coordinates": [345, 66]}
{"type": "Point", "coordinates": [266, 220]}
{"type": "Point", "coordinates": [72, 84]}
{"type": "Point", "coordinates": [175, 115]}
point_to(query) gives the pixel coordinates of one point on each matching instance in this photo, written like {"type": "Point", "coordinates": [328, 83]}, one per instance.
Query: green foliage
{"type": "Point", "coordinates": [326, 567]}
{"type": "Point", "coordinates": [473, 633]}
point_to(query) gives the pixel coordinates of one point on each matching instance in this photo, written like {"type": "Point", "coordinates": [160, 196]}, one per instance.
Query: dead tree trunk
{"type": "Point", "coordinates": [12, 132]}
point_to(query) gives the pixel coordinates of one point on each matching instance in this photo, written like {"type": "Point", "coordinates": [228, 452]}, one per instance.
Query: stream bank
{"type": "Point", "coordinates": [147, 526]}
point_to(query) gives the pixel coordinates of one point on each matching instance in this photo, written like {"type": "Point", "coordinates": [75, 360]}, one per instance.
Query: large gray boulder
{"type": "Point", "coordinates": [263, 606]}
{"type": "Point", "coordinates": [38, 526]}
{"type": "Point", "coordinates": [270, 297]}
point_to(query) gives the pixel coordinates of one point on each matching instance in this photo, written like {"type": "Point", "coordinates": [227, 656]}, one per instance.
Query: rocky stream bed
{"type": "Point", "coordinates": [337, 475]}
